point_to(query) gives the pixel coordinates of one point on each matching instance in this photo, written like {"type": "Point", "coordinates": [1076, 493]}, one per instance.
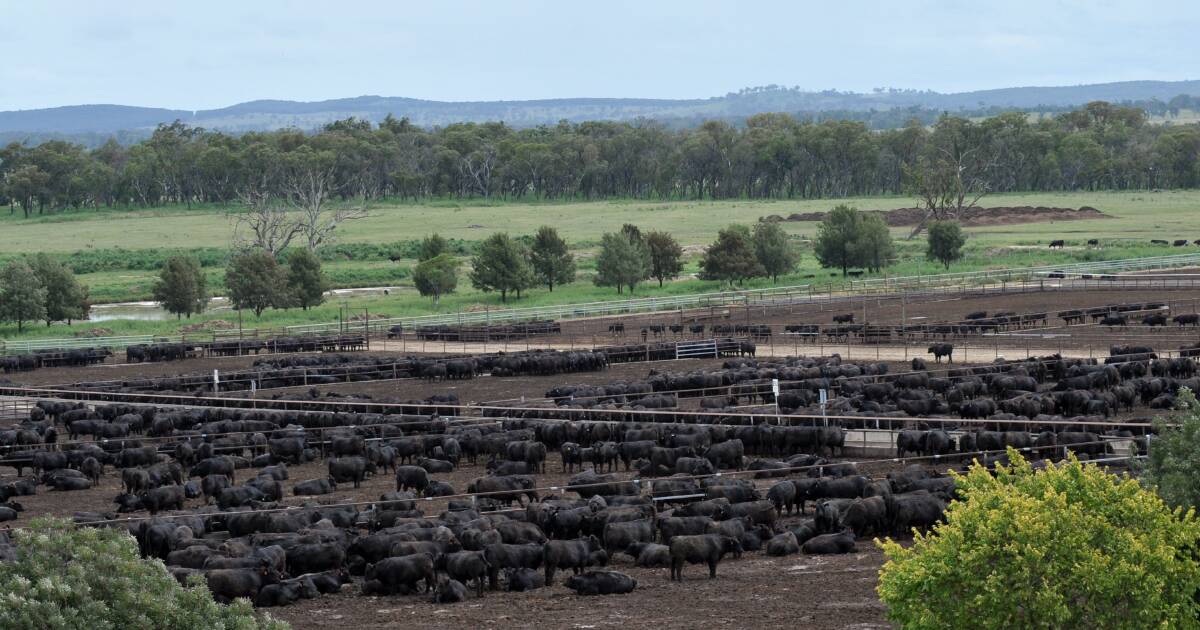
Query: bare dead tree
{"type": "Point", "coordinates": [309, 191]}
{"type": "Point", "coordinates": [947, 185]}
{"type": "Point", "coordinates": [478, 166]}
{"type": "Point", "coordinates": [265, 224]}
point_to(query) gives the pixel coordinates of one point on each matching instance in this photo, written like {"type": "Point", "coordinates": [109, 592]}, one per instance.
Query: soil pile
{"type": "Point", "coordinates": [970, 217]}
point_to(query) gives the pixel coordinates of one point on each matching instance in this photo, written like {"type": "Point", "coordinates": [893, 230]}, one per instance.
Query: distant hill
{"type": "Point", "coordinates": [89, 122]}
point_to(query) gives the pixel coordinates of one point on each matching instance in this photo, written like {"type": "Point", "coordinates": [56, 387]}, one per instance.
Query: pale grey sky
{"type": "Point", "coordinates": [213, 53]}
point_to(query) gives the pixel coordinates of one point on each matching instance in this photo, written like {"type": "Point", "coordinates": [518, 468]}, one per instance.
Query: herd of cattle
{"type": "Point", "coordinates": [174, 351]}
{"type": "Point", "coordinates": [52, 358]}
{"type": "Point", "coordinates": [328, 368]}
{"type": "Point", "coordinates": [1095, 242]}
{"type": "Point", "coordinates": [182, 466]}
{"type": "Point", "coordinates": [245, 542]}
{"type": "Point", "coordinates": [676, 468]}
{"type": "Point", "coordinates": [480, 332]}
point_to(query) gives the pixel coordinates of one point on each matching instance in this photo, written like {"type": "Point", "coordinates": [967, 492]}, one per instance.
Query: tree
{"type": "Point", "coordinates": [631, 232]}
{"type": "Point", "coordinates": [501, 265]}
{"type": "Point", "coordinates": [551, 261]}
{"type": "Point", "coordinates": [946, 240]}
{"type": "Point", "coordinates": [181, 288]}
{"type": "Point", "coordinates": [255, 281]}
{"type": "Point", "coordinates": [66, 299]}
{"type": "Point", "coordinates": [1070, 546]}
{"type": "Point", "coordinates": [309, 180]}
{"type": "Point", "coordinates": [622, 262]}
{"type": "Point", "coordinates": [431, 247]}
{"type": "Point", "coordinates": [836, 236]}
{"type": "Point", "coordinates": [731, 257]}
{"type": "Point", "coordinates": [306, 282]}
{"type": "Point", "coordinates": [436, 277]}
{"type": "Point", "coordinates": [266, 223]}
{"type": "Point", "coordinates": [26, 184]}
{"type": "Point", "coordinates": [66, 576]}
{"type": "Point", "coordinates": [666, 256]}
{"type": "Point", "coordinates": [954, 174]}
{"type": "Point", "coordinates": [774, 252]}
{"type": "Point", "coordinates": [1173, 465]}
{"type": "Point", "coordinates": [22, 296]}
{"type": "Point", "coordinates": [873, 248]}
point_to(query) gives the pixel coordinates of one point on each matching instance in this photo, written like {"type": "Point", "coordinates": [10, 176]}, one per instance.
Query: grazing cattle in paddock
{"type": "Point", "coordinates": [616, 330]}
{"type": "Point", "coordinates": [844, 318]}
{"type": "Point", "coordinates": [1180, 242]}
{"type": "Point", "coordinates": [1057, 244]}
{"type": "Point", "coordinates": [1158, 241]}
{"type": "Point", "coordinates": [1093, 242]}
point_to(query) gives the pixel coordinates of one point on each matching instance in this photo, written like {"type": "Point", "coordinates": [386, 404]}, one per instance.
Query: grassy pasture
{"type": "Point", "coordinates": [1136, 218]}
{"type": "Point", "coordinates": [1138, 215]}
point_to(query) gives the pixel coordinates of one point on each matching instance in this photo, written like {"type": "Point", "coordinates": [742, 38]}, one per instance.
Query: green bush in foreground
{"type": "Point", "coordinates": [1173, 468]}
{"type": "Point", "coordinates": [68, 577]}
{"type": "Point", "coordinates": [1065, 547]}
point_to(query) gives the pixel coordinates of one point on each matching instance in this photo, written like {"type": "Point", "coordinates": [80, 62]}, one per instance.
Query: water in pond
{"type": "Point", "coordinates": [150, 311]}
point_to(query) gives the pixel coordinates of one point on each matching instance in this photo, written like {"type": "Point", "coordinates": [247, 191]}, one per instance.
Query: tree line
{"type": "Point", "coordinates": [39, 287]}
{"type": "Point", "coordinates": [1099, 146]}
{"type": "Point", "coordinates": [846, 239]}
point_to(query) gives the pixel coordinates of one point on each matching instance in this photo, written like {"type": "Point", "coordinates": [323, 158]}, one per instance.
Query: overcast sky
{"type": "Point", "coordinates": [213, 53]}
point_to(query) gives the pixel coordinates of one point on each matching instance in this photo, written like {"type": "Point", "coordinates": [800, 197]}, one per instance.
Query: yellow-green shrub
{"type": "Point", "coordinates": [1066, 547]}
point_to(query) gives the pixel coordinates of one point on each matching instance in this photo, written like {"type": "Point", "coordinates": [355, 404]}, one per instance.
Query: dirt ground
{"type": "Point", "coordinates": [757, 591]}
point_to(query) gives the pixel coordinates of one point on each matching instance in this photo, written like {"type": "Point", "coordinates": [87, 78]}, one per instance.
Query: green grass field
{"type": "Point", "coordinates": [1136, 218]}
{"type": "Point", "coordinates": [1137, 215]}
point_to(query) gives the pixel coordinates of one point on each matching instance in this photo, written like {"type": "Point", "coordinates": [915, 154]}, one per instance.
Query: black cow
{"type": "Point", "coordinates": [703, 548]}
{"type": "Point", "coordinates": [939, 350]}
{"type": "Point", "coordinates": [1058, 243]}
{"type": "Point", "coordinates": [842, 542]}
{"type": "Point", "coordinates": [601, 583]}
{"type": "Point", "coordinates": [1188, 319]}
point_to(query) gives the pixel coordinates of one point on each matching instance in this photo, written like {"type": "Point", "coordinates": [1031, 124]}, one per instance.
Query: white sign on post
{"type": "Point", "coordinates": [775, 390]}
{"type": "Point", "coordinates": [216, 381]}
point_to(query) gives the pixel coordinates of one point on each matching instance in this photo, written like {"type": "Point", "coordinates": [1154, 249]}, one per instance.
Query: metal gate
{"type": "Point", "coordinates": [696, 349]}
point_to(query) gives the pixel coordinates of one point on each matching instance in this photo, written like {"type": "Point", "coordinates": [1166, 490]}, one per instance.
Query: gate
{"type": "Point", "coordinates": [696, 349]}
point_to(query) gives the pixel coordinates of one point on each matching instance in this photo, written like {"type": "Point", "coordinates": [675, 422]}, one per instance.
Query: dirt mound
{"type": "Point", "coordinates": [360, 317]}
{"type": "Point", "coordinates": [94, 332]}
{"type": "Point", "coordinates": [212, 324]}
{"type": "Point", "coordinates": [972, 217]}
